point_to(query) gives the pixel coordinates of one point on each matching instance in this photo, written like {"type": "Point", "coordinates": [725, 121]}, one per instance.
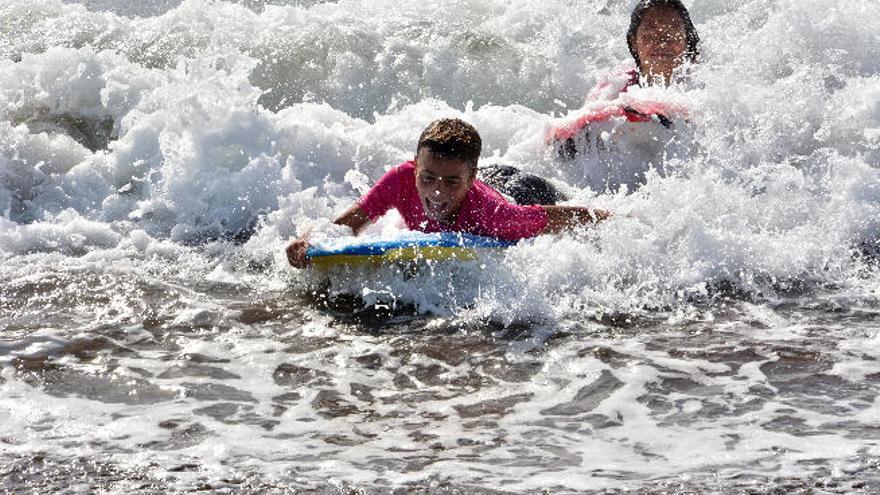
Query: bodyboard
{"type": "Point", "coordinates": [410, 246]}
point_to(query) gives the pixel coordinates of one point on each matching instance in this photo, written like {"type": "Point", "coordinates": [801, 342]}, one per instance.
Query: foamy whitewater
{"type": "Point", "coordinates": [721, 333]}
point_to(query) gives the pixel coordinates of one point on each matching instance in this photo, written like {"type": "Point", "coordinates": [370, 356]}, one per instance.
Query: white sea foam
{"type": "Point", "coordinates": [147, 148]}
{"type": "Point", "coordinates": [786, 145]}
{"type": "Point", "coordinates": [198, 156]}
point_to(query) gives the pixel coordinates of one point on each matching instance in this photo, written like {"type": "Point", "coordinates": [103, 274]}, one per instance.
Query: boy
{"type": "Point", "coordinates": [439, 191]}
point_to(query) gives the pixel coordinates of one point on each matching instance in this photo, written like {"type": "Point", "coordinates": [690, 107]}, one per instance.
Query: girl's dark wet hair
{"type": "Point", "coordinates": [452, 138]}
{"type": "Point", "coordinates": [693, 39]}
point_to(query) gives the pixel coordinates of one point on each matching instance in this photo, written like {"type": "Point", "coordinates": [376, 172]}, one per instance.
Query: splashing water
{"type": "Point", "coordinates": [719, 334]}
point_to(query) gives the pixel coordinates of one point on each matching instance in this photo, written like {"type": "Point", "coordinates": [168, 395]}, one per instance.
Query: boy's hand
{"type": "Point", "coordinates": [600, 215]}
{"type": "Point", "coordinates": [560, 218]}
{"type": "Point", "coordinates": [296, 253]}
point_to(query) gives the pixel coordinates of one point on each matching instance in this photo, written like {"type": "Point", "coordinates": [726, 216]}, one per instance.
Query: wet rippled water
{"type": "Point", "coordinates": [718, 335]}
{"type": "Point", "coordinates": [257, 394]}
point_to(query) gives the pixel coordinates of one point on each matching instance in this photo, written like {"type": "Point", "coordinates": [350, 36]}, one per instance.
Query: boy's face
{"type": "Point", "coordinates": [442, 184]}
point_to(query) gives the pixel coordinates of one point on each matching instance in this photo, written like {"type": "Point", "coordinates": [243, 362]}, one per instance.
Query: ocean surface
{"type": "Point", "coordinates": [720, 334]}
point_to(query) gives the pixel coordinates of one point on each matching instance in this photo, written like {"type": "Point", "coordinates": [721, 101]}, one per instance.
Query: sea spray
{"type": "Point", "coordinates": [718, 333]}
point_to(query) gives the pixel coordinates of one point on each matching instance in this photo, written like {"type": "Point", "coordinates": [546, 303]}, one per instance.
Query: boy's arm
{"type": "Point", "coordinates": [355, 218]}
{"type": "Point", "coordinates": [561, 218]}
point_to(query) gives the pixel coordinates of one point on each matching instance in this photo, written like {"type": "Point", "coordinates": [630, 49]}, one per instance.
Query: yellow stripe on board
{"type": "Point", "coordinates": [412, 253]}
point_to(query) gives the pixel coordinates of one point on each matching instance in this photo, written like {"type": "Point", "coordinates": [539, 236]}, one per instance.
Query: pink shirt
{"type": "Point", "coordinates": [483, 211]}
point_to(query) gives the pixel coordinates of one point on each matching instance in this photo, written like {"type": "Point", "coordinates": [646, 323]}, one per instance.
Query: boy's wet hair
{"type": "Point", "coordinates": [642, 8]}
{"type": "Point", "coordinates": [452, 139]}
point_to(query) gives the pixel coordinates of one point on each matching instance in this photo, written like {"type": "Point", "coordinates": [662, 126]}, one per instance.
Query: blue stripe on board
{"type": "Point", "coordinates": [444, 239]}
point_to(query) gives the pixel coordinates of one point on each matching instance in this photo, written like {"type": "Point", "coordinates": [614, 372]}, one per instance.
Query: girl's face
{"type": "Point", "coordinates": [661, 42]}
{"type": "Point", "coordinates": [442, 184]}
